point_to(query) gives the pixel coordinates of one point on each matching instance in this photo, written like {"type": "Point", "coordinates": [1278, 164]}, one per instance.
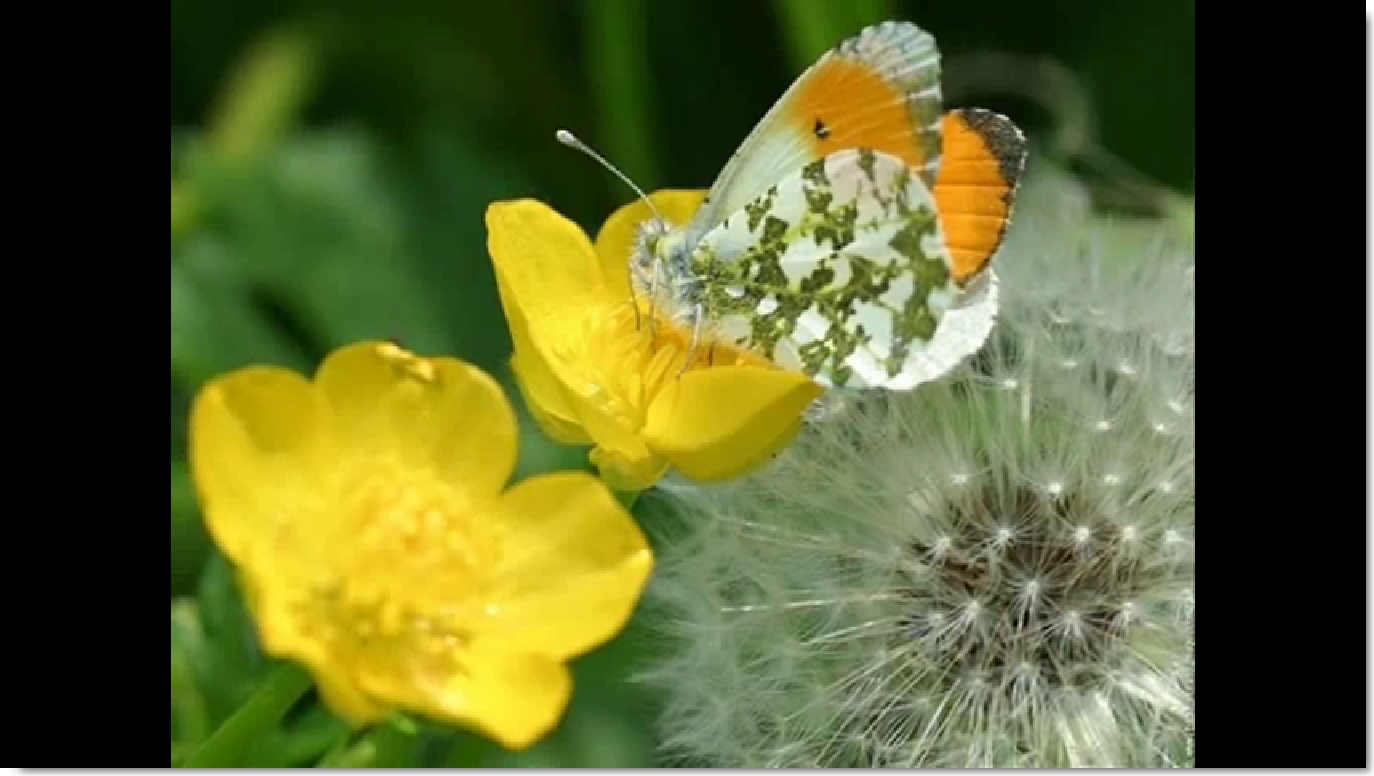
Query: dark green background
{"type": "Point", "coordinates": [339, 196]}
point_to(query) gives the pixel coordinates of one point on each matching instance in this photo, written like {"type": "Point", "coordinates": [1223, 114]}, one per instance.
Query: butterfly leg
{"type": "Point", "coordinates": [634, 299]}
{"type": "Point", "coordinates": [697, 315]}
{"type": "Point", "coordinates": [653, 301]}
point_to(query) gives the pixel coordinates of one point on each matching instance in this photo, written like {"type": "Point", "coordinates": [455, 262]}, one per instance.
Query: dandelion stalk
{"type": "Point", "coordinates": [282, 688]}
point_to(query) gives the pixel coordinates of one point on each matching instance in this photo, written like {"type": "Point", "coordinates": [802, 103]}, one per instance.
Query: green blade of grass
{"type": "Point", "coordinates": [810, 27]}
{"type": "Point", "coordinates": [617, 57]}
{"type": "Point", "coordinates": [263, 709]}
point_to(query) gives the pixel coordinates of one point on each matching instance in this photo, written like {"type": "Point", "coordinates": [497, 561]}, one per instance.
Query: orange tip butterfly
{"type": "Point", "coordinates": [851, 235]}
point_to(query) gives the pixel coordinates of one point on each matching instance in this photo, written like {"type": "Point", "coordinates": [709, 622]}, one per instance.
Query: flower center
{"type": "Point", "coordinates": [411, 571]}
{"type": "Point", "coordinates": [634, 357]}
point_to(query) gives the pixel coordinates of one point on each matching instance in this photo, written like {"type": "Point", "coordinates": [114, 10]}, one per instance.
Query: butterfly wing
{"type": "Point", "coordinates": [983, 158]}
{"type": "Point", "coordinates": [879, 89]}
{"type": "Point", "coordinates": [840, 270]}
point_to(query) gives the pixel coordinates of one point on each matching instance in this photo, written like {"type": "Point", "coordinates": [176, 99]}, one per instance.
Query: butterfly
{"type": "Point", "coordinates": [851, 234]}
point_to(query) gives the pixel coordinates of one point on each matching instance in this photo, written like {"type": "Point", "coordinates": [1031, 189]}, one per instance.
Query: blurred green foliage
{"type": "Point", "coordinates": [331, 163]}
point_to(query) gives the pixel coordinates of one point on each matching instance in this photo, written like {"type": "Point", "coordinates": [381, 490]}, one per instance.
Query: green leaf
{"type": "Point", "coordinates": [315, 229]}
{"type": "Point", "coordinates": [263, 710]}
{"type": "Point", "coordinates": [298, 742]}
{"type": "Point", "coordinates": [215, 326]}
{"type": "Point", "coordinates": [190, 543]}
{"type": "Point", "coordinates": [601, 736]}
{"type": "Point", "coordinates": [294, 742]}
{"type": "Point", "coordinates": [445, 183]}
{"type": "Point", "coordinates": [264, 92]}
{"type": "Point", "coordinates": [234, 664]}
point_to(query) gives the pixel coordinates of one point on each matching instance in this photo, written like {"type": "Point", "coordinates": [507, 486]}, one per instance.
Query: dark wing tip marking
{"type": "Point", "coordinates": [1004, 139]}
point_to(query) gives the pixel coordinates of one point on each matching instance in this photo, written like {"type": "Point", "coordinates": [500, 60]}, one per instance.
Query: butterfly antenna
{"type": "Point", "coordinates": [570, 140]}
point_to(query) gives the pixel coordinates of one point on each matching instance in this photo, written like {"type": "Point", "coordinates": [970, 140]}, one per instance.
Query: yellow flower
{"type": "Point", "coordinates": [367, 515]}
{"type": "Point", "coordinates": [595, 372]}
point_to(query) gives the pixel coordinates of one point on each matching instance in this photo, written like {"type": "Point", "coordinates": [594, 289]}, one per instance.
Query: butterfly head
{"type": "Point", "coordinates": [660, 260]}
{"type": "Point", "coordinates": [660, 264]}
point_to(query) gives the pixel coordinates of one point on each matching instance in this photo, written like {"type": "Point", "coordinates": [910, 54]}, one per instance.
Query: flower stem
{"type": "Point", "coordinates": [627, 498]}
{"type": "Point", "coordinates": [392, 744]}
{"type": "Point", "coordinates": [273, 698]}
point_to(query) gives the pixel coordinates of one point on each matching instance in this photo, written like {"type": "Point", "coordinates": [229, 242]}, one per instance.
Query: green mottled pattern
{"type": "Point", "coordinates": [834, 268]}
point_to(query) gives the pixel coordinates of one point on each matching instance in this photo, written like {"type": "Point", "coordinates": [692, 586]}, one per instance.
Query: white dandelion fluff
{"type": "Point", "coordinates": [995, 570]}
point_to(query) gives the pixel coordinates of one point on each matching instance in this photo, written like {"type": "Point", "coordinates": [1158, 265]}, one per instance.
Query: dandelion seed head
{"type": "Point", "coordinates": [962, 576]}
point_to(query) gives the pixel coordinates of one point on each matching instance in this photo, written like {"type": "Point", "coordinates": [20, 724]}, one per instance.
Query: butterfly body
{"type": "Point", "coordinates": [838, 240]}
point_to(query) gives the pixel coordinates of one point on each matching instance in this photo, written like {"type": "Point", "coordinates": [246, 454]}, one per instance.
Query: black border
{"type": "Point", "coordinates": [1281, 634]}
{"type": "Point", "coordinates": [84, 565]}
{"type": "Point", "coordinates": [1281, 655]}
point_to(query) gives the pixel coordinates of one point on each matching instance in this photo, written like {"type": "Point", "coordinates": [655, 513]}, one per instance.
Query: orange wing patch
{"type": "Point", "coordinates": [982, 160]}
{"type": "Point", "coordinates": [844, 103]}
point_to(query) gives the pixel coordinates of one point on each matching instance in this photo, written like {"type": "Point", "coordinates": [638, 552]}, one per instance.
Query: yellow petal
{"type": "Point", "coordinates": [573, 566]}
{"type": "Point", "coordinates": [567, 404]}
{"type": "Point", "coordinates": [632, 472]}
{"type": "Point", "coordinates": [516, 698]}
{"type": "Point", "coordinates": [546, 268]}
{"type": "Point", "coordinates": [617, 236]}
{"type": "Point", "coordinates": [543, 392]}
{"type": "Point", "coordinates": [544, 395]}
{"type": "Point", "coordinates": [343, 697]}
{"type": "Point", "coordinates": [718, 423]}
{"type": "Point", "coordinates": [276, 613]}
{"type": "Point", "coordinates": [281, 638]}
{"type": "Point", "coordinates": [550, 287]}
{"type": "Point", "coordinates": [437, 415]}
{"type": "Point", "coordinates": [258, 444]}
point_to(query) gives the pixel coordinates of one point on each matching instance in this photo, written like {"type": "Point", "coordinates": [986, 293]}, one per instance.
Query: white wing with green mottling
{"type": "Point", "coordinates": [840, 271]}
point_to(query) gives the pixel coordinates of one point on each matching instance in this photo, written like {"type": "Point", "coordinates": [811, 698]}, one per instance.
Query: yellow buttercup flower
{"type": "Point", "coordinates": [367, 515]}
{"type": "Point", "coordinates": [594, 372]}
